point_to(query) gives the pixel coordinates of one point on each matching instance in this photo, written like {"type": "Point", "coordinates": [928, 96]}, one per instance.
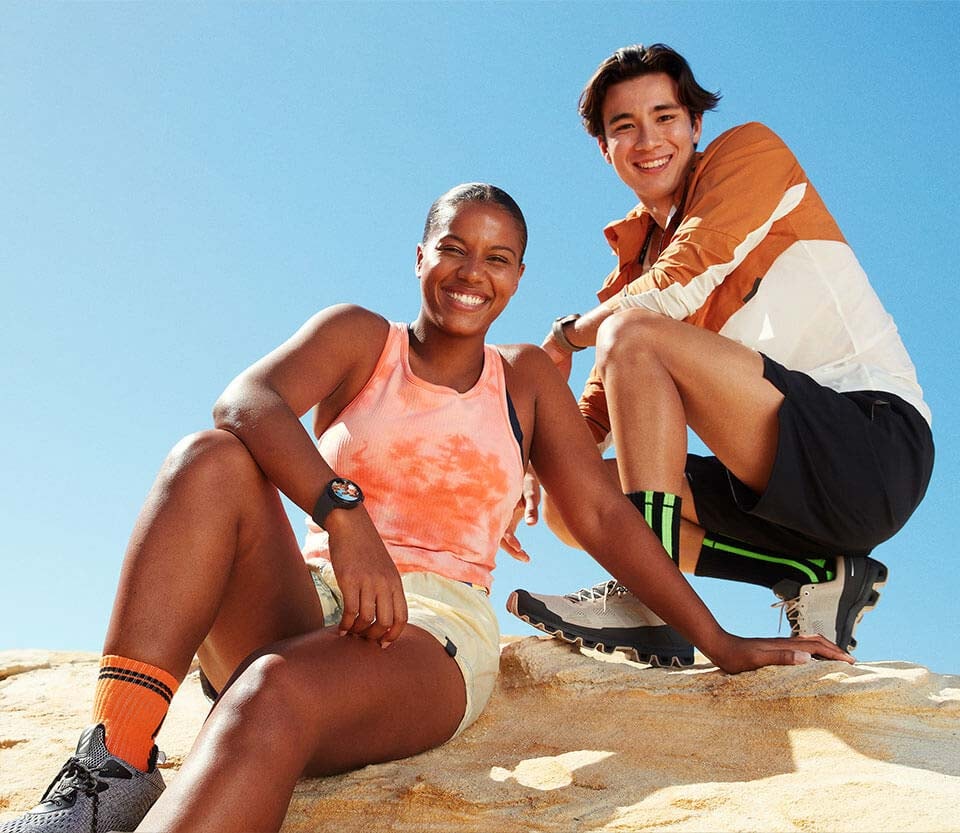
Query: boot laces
{"type": "Point", "coordinates": [791, 609]}
{"type": "Point", "coordinates": [599, 592]}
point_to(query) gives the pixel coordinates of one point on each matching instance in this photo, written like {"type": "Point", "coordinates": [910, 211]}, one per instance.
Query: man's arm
{"type": "Point", "coordinates": [608, 526]}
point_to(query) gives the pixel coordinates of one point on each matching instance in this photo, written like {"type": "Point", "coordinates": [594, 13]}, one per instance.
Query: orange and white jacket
{"type": "Point", "coordinates": [757, 257]}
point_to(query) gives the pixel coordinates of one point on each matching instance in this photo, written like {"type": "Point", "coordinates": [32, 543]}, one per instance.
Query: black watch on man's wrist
{"type": "Point", "coordinates": [560, 336]}
{"type": "Point", "coordinates": [339, 493]}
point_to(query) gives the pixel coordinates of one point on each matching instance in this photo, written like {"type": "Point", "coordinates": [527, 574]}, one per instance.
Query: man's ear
{"type": "Point", "coordinates": [419, 259]}
{"type": "Point", "coordinates": [604, 152]}
{"type": "Point", "coordinates": [697, 128]}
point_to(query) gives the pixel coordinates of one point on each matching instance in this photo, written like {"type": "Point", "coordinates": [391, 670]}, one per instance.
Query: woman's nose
{"type": "Point", "coordinates": [471, 267]}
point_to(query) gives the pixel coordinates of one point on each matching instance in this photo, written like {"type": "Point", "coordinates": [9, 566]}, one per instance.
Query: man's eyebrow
{"type": "Point", "coordinates": [657, 108]}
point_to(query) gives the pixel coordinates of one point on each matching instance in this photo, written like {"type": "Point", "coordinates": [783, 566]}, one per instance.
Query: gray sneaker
{"type": "Point", "coordinates": [833, 608]}
{"type": "Point", "coordinates": [607, 617]}
{"type": "Point", "coordinates": [94, 792]}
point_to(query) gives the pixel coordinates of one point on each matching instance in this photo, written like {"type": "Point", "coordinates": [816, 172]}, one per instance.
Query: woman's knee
{"type": "Point", "coordinates": [213, 456]}
{"type": "Point", "coordinates": [263, 681]}
{"type": "Point", "coordinates": [631, 338]}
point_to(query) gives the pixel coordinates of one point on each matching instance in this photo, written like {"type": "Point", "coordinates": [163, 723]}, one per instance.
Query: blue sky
{"type": "Point", "coordinates": [181, 185]}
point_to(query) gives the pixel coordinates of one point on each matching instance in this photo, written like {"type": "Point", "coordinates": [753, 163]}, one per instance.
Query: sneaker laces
{"type": "Point", "coordinates": [599, 592]}
{"type": "Point", "coordinates": [75, 776]}
{"type": "Point", "coordinates": [789, 608]}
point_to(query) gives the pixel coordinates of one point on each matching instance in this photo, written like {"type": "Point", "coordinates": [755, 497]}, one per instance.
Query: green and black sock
{"type": "Point", "coordinates": [722, 557]}
{"type": "Point", "coordinates": [661, 511]}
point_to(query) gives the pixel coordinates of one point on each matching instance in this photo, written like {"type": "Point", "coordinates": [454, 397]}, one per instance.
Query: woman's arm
{"type": "Point", "coordinates": [609, 527]}
{"type": "Point", "coordinates": [327, 361]}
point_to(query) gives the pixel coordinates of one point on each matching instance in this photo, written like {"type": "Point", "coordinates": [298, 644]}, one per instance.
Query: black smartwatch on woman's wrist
{"type": "Point", "coordinates": [339, 493]}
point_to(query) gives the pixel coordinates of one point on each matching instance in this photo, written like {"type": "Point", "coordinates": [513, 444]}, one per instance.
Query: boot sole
{"type": "Point", "coordinates": [866, 599]}
{"type": "Point", "coordinates": [681, 658]}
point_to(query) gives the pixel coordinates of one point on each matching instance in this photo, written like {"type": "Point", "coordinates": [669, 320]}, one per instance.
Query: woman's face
{"type": "Point", "coordinates": [469, 267]}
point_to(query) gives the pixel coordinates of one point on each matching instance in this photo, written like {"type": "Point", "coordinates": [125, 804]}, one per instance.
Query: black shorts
{"type": "Point", "coordinates": [850, 469]}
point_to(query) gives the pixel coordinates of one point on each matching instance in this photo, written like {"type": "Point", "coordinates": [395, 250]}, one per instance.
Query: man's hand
{"type": "Point", "coordinates": [528, 508]}
{"type": "Point", "coordinates": [740, 654]}
{"type": "Point", "coordinates": [562, 359]}
{"type": "Point", "coordinates": [374, 605]}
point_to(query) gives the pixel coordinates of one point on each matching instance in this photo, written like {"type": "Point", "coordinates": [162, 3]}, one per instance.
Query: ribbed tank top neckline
{"type": "Point", "coordinates": [490, 358]}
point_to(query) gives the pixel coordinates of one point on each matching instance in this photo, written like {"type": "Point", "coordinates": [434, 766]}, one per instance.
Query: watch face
{"type": "Point", "coordinates": [346, 491]}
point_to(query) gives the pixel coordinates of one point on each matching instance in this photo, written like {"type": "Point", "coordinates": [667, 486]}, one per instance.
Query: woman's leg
{"type": "Point", "coordinates": [317, 704]}
{"type": "Point", "coordinates": [213, 560]}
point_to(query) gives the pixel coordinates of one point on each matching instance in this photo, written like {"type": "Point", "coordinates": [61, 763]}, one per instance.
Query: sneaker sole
{"type": "Point", "coordinates": [680, 657]}
{"type": "Point", "coordinates": [859, 597]}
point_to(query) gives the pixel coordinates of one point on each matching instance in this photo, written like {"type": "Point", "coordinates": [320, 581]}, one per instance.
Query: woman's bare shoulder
{"type": "Point", "coordinates": [524, 358]}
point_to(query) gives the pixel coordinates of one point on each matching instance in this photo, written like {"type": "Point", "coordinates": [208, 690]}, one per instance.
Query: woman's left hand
{"type": "Point", "coordinates": [738, 654]}
{"type": "Point", "coordinates": [374, 605]}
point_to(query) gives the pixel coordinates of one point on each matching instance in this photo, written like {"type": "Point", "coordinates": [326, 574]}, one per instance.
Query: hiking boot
{"type": "Point", "coordinates": [833, 608]}
{"type": "Point", "coordinates": [94, 792]}
{"type": "Point", "coordinates": [607, 617]}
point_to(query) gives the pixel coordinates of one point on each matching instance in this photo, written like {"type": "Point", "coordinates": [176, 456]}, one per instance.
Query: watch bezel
{"type": "Point", "coordinates": [345, 491]}
{"type": "Point", "coordinates": [339, 493]}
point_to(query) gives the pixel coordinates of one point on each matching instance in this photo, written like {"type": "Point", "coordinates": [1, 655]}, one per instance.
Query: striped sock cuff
{"type": "Point", "coordinates": [138, 673]}
{"type": "Point", "coordinates": [131, 701]}
{"type": "Point", "coordinates": [661, 511]}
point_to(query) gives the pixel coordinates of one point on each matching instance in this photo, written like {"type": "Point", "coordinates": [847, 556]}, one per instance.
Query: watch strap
{"type": "Point", "coordinates": [560, 336]}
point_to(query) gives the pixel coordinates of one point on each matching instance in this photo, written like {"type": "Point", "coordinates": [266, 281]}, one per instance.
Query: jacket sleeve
{"type": "Point", "coordinates": [747, 180]}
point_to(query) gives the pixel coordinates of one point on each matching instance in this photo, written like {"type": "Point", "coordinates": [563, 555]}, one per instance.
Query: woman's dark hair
{"type": "Point", "coordinates": [476, 192]}
{"type": "Point", "coordinates": [633, 61]}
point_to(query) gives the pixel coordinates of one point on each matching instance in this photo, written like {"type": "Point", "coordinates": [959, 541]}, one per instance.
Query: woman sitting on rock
{"type": "Point", "coordinates": [381, 643]}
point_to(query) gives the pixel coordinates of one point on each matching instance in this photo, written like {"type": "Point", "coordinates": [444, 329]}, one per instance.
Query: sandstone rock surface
{"type": "Point", "coordinates": [577, 742]}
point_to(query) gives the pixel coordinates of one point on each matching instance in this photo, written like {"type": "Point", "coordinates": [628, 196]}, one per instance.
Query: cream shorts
{"type": "Point", "coordinates": [458, 615]}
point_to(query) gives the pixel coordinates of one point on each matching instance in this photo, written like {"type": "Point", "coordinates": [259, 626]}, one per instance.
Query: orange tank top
{"type": "Point", "coordinates": [441, 471]}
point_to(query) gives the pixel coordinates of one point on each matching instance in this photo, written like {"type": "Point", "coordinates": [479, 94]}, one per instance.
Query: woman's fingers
{"type": "Point", "coordinates": [375, 610]}
{"type": "Point", "coordinates": [399, 618]}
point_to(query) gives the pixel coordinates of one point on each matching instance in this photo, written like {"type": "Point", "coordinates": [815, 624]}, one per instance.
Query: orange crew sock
{"type": "Point", "coordinates": [131, 702]}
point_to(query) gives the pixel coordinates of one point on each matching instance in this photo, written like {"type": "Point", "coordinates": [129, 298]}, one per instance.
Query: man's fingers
{"type": "Point", "coordinates": [531, 512]}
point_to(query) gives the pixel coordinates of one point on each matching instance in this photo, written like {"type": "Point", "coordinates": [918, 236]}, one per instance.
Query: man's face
{"type": "Point", "coordinates": [649, 139]}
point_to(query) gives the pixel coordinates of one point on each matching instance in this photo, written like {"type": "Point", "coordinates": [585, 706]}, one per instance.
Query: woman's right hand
{"type": "Point", "coordinates": [374, 605]}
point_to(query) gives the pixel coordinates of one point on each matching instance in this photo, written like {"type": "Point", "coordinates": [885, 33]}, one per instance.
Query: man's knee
{"type": "Point", "coordinates": [630, 338]}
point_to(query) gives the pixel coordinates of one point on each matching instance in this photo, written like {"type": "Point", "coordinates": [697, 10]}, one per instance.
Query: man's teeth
{"type": "Point", "coordinates": [657, 163]}
{"type": "Point", "coordinates": [472, 300]}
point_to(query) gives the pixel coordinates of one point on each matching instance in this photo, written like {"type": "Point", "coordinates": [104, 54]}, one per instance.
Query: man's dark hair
{"type": "Point", "coordinates": [633, 61]}
{"type": "Point", "coordinates": [476, 192]}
